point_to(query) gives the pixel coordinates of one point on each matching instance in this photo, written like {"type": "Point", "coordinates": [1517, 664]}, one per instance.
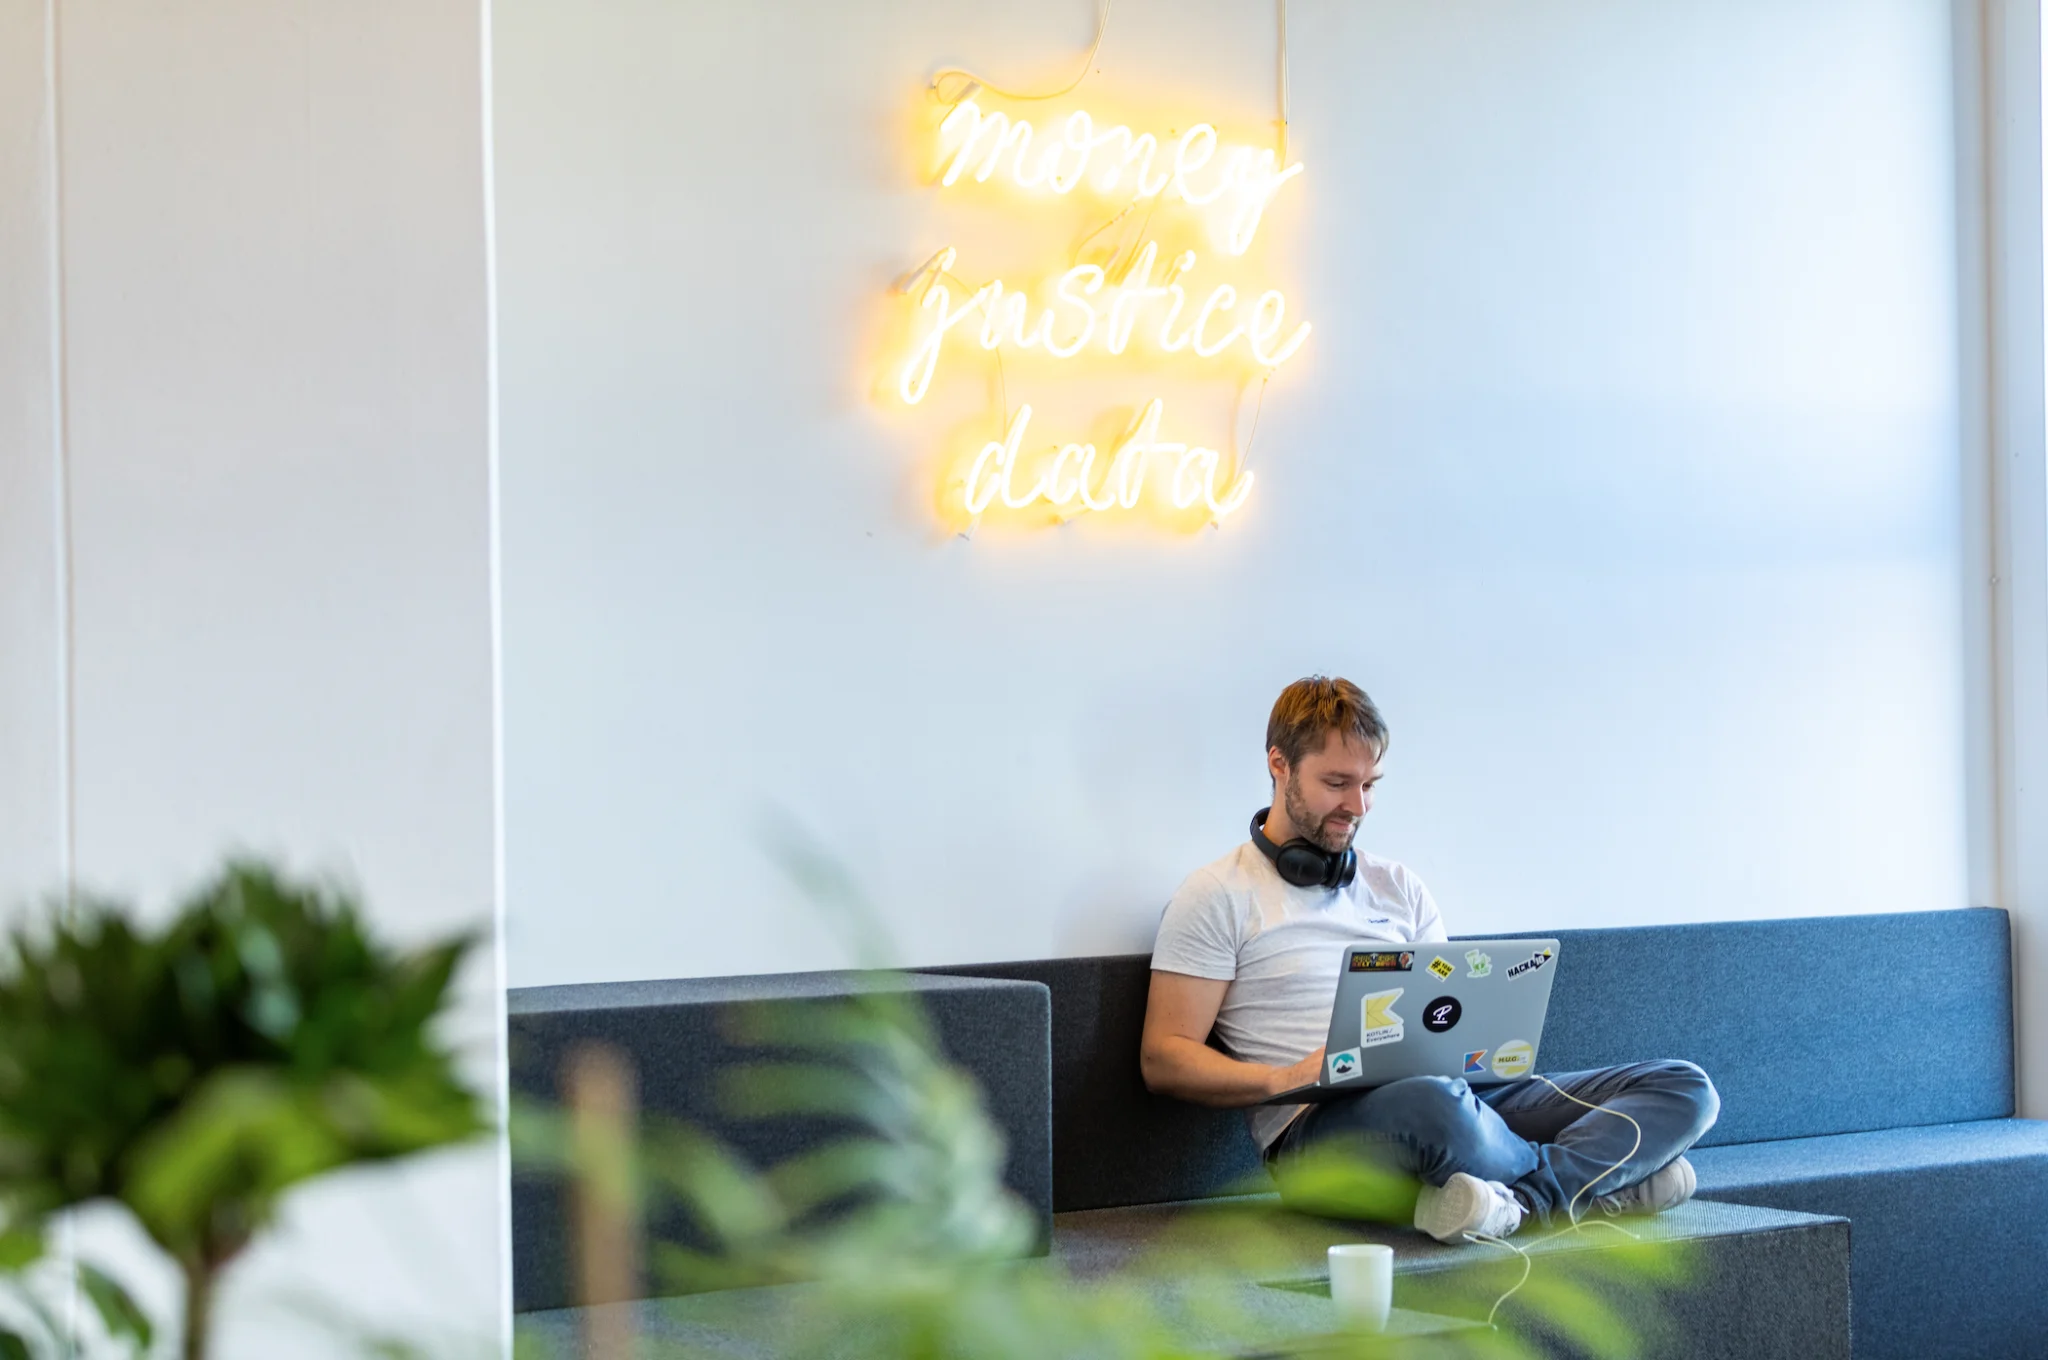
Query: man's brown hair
{"type": "Point", "coordinates": [1308, 710]}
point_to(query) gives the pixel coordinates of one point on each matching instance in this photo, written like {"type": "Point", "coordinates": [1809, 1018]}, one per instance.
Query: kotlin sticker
{"type": "Point", "coordinates": [1475, 1063]}
{"type": "Point", "coordinates": [1377, 1022]}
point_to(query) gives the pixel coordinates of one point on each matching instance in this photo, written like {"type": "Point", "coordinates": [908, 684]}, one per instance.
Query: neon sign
{"type": "Point", "coordinates": [1142, 302]}
{"type": "Point", "coordinates": [1246, 180]}
{"type": "Point", "coordinates": [1006, 318]}
{"type": "Point", "coordinates": [1070, 485]}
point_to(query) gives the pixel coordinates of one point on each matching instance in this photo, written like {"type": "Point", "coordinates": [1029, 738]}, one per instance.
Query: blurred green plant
{"type": "Point", "coordinates": [195, 1073]}
{"type": "Point", "coordinates": [900, 1239]}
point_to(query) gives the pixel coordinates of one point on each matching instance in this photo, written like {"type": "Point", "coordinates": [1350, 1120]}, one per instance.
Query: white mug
{"type": "Point", "coordinates": [1362, 1284]}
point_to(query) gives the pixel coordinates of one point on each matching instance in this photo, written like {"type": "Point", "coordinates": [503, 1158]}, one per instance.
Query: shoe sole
{"type": "Point", "coordinates": [1691, 1181]}
{"type": "Point", "coordinates": [1438, 1220]}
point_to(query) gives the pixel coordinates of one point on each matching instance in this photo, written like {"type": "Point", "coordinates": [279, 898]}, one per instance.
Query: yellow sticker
{"type": "Point", "coordinates": [1378, 1023]}
{"type": "Point", "coordinates": [1442, 967]}
{"type": "Point", "coordinates": [1513, 1059]}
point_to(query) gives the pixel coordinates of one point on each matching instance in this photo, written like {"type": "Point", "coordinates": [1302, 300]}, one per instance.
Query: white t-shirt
{"type": "Point", "coordinates": [1280, 948]}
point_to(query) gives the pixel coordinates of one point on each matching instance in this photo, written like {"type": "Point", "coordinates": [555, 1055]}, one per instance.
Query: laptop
{"type": "Point", "coordinates": [1468, 1008]}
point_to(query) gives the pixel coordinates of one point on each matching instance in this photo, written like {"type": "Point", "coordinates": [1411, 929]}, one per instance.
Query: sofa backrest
{"type": "Point", "coordinates": [1817, 1025]}
{"type": "Point", "coordinates": [1113, 1141]}
{"type": "Point", "coordinates": [683, 1039]}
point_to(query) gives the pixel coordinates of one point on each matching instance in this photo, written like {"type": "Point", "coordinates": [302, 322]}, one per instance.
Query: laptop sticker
{"type": "Point", "coordinates": [1378, 1023]}
{"type": "Point", "coordinates": [1482, 964]}
{"type": "Point", "coordinates": [1442, 967]}
{"type": "Point", "coordinates": [1344, 1066]}
{"type": "Point", "coordinates": [1513, 1059]}
{"type": "Point", "coordinates": [1441, 1014]}
{"type": "Point", "coordinates": [1382, 961]}
{"type": "Point", "coordinates": [1530, 964]}
{"type": "Point", "coordinates": [1475, 1063]}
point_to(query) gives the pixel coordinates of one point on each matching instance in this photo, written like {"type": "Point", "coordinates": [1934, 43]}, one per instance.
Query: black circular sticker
{"type": "Point", "coordinates": [1441, 1014]}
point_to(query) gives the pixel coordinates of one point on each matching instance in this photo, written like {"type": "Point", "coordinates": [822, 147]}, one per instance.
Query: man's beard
{"type": "Point", "coordinates": [1306, 825]}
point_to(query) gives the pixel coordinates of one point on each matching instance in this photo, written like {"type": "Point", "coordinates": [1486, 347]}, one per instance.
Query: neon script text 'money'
{"type": "Point", "coordinates": [1242, 183]}
{"type": "Point", "coordinates": [1100, 315]}
{"type": "Point", "coordinates": [1071, 485]}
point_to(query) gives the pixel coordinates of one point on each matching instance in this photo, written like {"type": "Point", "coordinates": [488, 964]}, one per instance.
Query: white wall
{"type": "Point", "coordinates": [275, 341]}
{"type": "Point", "coordinates": [2011, 176]}
{"type": "Point", "coordinates": [31, 806]}
{"type": "Point", "coordinates": [1623, 470]}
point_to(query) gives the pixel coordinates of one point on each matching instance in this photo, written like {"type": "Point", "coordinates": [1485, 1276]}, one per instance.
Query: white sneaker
{"type": "Point", "coordinates": [1663, 1189]}
{"type": "Point", "coordinates": [1467, 1204]}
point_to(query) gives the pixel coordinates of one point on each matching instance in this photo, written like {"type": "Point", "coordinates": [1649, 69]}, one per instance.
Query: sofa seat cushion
{"type": "Point", "coordinates": [1728, 1171]}
{"type": "Point", "coordinates": [1948, 1227]}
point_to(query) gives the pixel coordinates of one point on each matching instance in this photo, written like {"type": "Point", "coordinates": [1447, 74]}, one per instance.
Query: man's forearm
{"type": "Point", "coordinates": [1196, 1072]}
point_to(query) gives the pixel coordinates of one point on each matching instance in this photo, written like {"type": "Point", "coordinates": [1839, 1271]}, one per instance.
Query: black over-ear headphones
{"type": "Point", "coordinates": [1301, 861]}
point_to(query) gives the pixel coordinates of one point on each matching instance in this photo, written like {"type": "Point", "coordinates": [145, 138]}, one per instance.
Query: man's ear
{"type": "Point", "coordinates": [1276, 765]}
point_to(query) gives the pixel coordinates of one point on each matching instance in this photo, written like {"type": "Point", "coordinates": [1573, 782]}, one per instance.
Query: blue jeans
{"type": "Point", "coordinates": [1522, 1134]}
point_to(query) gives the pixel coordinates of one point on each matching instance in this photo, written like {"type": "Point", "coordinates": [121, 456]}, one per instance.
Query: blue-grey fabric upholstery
{"type": "Point", "coordinates": [678, 1037]}
{"type": "Point", "coordinates": [1864, 1065]}
{"type": "Point", "coordinates": [1899, 1019]}
{"type": "Point", "coordinates": [1948, 1228]}
{"type": "Point", "coordinates": [1115, 1143]}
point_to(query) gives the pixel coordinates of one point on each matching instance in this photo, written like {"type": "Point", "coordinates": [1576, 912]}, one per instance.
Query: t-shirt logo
{"type": "Point", "coordinates": [1377, 1022]}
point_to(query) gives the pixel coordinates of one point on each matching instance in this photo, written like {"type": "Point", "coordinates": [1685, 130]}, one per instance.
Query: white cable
{"type": "Point", "coordinates": [1283, 82]}
{"type": "Point", "coordinates": [1571, 1209]}
{"type": "Point", "coordinates": [1528, 1267]}
{"type": "Point", "coordinates": [974, 82]}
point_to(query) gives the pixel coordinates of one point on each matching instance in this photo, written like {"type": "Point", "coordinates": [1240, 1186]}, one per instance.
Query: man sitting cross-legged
{"type": "Point", "coordinates": [1249, 949]}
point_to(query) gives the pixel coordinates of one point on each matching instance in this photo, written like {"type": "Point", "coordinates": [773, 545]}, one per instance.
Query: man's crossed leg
{"type": "Point", "coordinates": [1487, 1158]}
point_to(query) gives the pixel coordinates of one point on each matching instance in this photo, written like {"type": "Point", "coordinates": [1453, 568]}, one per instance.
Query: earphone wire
{"type": "Point", "coordinates": [1571, 1209]}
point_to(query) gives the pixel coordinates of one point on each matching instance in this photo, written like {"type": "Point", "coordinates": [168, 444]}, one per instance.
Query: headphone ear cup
{"type": "Point", "coordinates": [1344, 868]}
{"type": "Point", "coordinates": [1302, 865]}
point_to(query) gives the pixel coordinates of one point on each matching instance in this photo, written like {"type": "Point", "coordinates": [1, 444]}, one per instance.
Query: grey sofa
{"type": "Point", "coordinates": [1864, 1065]}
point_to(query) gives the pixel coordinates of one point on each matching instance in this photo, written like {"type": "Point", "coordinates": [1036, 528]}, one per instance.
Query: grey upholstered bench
{"type": "Point", "coordinates": [1864, 1063]}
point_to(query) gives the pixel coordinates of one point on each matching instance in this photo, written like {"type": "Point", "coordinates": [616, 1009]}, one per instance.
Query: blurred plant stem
{"type": "Point", "coordinates": [604, 1119]}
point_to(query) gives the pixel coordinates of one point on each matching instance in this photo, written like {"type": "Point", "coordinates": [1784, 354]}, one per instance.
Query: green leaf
{"type": "Point", "coordinates": [119, 1313]}
{"type": "Point", "coordinates": [13, 1346]}
{"type": "Point", "coordinates": [20, 1248]}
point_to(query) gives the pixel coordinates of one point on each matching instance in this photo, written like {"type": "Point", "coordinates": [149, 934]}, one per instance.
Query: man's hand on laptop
{"type": "Point", "coordinates": [1307, 1072]}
